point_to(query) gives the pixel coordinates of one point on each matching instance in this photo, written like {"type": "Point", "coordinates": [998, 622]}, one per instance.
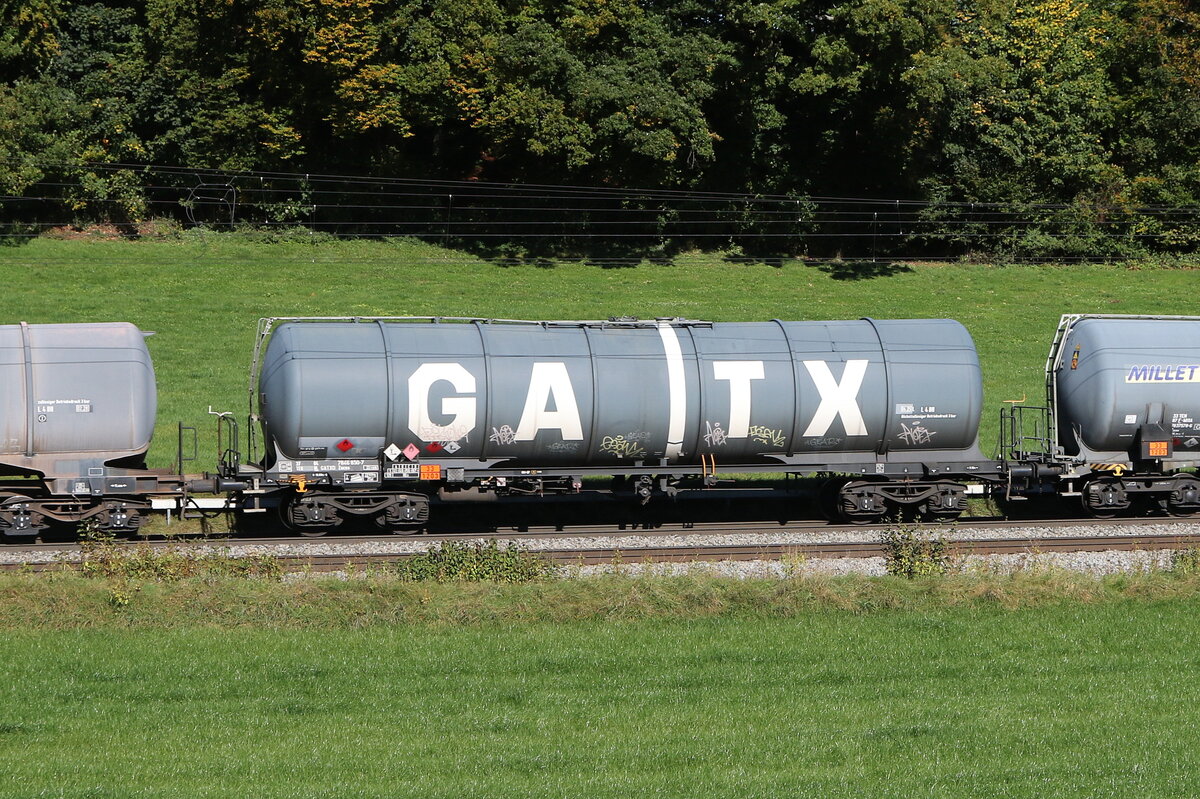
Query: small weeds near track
{"type": "Point", "coordinates": [1186, 561]}
{"type": "Point", "coordinates": [104, 557]}
{"type": "Point", "coordinates": [914, 553]}
{"type": "Point", "coordinates": [475, 562]}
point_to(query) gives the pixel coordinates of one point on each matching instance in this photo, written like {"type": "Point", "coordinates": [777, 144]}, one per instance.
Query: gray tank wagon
{"type": "Point", "coordinates": [1128, 389]}
{"type": "Point", "coordinates": [77, 411]}
{"type": "Point", "coordinates": [1122, 414]}
{"type": "Point", "coordinates": [370, 416]}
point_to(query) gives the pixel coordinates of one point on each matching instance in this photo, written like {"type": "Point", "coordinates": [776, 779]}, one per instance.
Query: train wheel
{"type": "Point", "coordinates": [1184, 499]}
{"type": "Point", "coordinates": [18, 538]}
{"type": "Point", "coordinates": [404, 514]}
{"type": "Point", "coordinates": [860, 503]}
{"type": "Point", "coordinates": [1105, 498]}
{"type": "Point", "coordinates": [1171, 508]}
{"type": "Point", "coordinates": [120, 519]}
{"type": "Point", "coordinates": [309, 518]}
{"type": "Point", "coordinates": [19, 523]}
{"type": "Point", "coordinates": [1166, 506]}
{"type": "Point", "coordinates": [829, 498]}
{"type": "Point", "coordinates": [944, 507]}
{"type": "Point", "coordinates": [1100, 513]}
{"type": "Point", "coordinates": [398, 528]}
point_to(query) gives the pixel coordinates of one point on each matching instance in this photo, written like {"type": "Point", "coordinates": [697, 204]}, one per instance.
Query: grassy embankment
{"type": "Point", "coordinates": [1057, 699]}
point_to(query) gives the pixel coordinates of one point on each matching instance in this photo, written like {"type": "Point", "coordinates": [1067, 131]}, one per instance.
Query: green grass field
{"type": "Point", "coordinates": [202, 295]}
{"type": "Point", "coordinates": [1063, 700]}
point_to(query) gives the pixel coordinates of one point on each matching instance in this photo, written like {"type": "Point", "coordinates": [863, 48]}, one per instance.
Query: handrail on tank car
{"type": "Point", "coordinates": [227, 442]}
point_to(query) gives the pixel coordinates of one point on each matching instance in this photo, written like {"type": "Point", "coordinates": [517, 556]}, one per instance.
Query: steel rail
{"type": "Point", "coordinates": [753, 552]}
{"type": "Point", "coordinates": [335, 562]}
{"type": "Point", "coordinates": [666, 531]}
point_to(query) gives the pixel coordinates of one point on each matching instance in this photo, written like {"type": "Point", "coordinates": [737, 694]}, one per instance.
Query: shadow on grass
{"type": "Point", "coordinates": [773, 261]}
{"type": "Point", "coordinates": [861, 270]}
{"type": "Point", "coordinates": [552, 253]}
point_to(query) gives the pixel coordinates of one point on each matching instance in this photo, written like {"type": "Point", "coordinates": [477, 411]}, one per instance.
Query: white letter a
{"type": "Point", "coordinates": [550, 380]}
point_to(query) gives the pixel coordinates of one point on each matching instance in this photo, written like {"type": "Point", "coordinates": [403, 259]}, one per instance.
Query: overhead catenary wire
{"type": "Point", "coordinates": [457, 212]}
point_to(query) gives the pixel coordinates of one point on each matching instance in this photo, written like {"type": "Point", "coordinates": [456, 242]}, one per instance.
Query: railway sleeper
{"type": "Point", "coordinates": [866, 501]}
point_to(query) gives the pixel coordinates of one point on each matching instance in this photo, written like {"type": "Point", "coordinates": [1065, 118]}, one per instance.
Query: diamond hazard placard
{"type": "Point", "coordinates": [411, 452]}
{"type": "Point", "coordinates": [392, 452]}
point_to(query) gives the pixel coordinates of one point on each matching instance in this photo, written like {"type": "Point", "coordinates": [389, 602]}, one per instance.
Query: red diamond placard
{"type": "Point", "coordinates": [345, 445]}
{"type": "Point", "coordinates": [411, 452]}
{"type": "Point", "coordinates": [434, 447]}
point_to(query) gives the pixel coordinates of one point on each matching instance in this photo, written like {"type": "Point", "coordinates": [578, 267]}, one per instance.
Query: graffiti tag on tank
{"type": "Point", "coordinates": [503, 435]}
{"type": "Point", "coordinates": [628, 445]}
{"type": "Point", "coordinates": [917, 435]}
{"type": "Point", "coordinates": [767, 436]}
{"type": "Point", "coordinates": [444, 435]}
{"type": "Point", "coordinates": [716, 435]}
{"type": "Point", "coordinates": [913, 431]}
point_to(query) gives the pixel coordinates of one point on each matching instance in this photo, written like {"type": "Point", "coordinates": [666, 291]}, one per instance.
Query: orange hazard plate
{"type": "Point", "coordinates": [431, 471]}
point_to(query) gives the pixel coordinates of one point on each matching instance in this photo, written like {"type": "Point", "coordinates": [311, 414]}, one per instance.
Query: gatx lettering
{"type": "Point", "coordinates": [550, 402]}
{"type": "Point", "coordinates": [739, 374]}
{"type": "Point", "coordinates": [549, 384]}
{"type": "Point", "coordinates": [460, 409]}
{"type": "Point", "coordinates": [839, 399]}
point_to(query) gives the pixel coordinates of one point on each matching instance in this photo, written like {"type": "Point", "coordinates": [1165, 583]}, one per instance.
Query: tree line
{"type": "Point", "coordinates": [1083, 113]}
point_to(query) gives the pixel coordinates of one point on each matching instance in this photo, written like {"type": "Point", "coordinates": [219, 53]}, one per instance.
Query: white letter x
{"type": "Point", "coordinates": [837, 399]}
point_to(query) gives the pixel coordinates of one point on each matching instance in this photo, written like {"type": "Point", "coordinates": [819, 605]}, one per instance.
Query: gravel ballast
{"type": "Point", "coordinates": [1101, 562]}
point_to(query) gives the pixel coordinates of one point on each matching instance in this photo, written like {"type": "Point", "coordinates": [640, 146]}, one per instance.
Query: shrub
{"type": "Point", "coordinates": [1186, 561]}
{"type": "Point", "coordinates": [911, 553]}
{"type": "Point", "coordinates": [475, 562]}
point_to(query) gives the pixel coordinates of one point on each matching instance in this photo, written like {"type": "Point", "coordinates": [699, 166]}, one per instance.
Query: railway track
{"type": "Point", "coordinates": [666, 531]}
{"type": "Point", "coordinates": [589, 548]}
{"type": "Point", "coordinates": [687, 554]}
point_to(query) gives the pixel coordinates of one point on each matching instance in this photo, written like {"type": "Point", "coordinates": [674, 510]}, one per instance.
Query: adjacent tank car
{"type": "Point", "coordinates": [1122, 416]}
{"type": "Point", "coordinates": [77, 411]}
